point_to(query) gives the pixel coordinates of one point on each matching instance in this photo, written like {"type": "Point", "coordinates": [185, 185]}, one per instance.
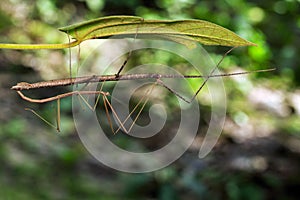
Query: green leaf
{"type": "Point", "coordinates": [186, 32]}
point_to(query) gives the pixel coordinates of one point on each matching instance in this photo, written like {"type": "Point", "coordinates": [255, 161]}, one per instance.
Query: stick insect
{"type": "Point", "coordinates": [105, 78]}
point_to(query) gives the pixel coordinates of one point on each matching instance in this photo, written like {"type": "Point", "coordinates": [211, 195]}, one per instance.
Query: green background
{"type": "Point", "coordinates": [257, 156]}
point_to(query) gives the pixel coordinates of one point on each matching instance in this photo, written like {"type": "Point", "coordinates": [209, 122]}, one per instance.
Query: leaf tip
{"type": "Point", "coordinates": [252, 44]}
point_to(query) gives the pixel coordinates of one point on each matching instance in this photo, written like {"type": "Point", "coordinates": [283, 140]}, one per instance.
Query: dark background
{"type": "Point", "coordinates": [257, 156]}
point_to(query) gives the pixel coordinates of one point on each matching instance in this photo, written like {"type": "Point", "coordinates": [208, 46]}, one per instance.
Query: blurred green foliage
{"type": "Point", "coordinates": [38, 164]}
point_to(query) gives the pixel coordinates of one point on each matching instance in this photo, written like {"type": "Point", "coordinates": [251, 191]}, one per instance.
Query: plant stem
{"type": "Point", "coordinates": [39, 46]}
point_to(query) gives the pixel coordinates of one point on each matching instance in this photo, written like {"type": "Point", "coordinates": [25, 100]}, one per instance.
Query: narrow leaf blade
{"type": "Point", "coordinates": [181, 31]}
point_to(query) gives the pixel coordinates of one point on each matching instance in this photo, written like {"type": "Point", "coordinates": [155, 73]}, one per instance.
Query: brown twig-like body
{"type": "Point", "coordinates": [105, 78]}
{"type": "Point", "coordinates": [88, 79]}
